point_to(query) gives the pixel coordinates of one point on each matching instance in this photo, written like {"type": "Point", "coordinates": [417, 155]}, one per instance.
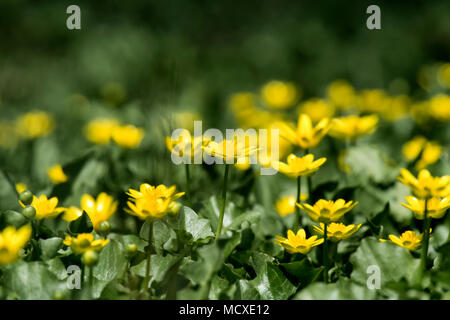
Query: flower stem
{"type": "Point", "coordinates": [224, 199]}
{"type": "Point", "coordinates": [426, 240]}
{"type": "Point", "coordinates": [188, 185]}
{"type": "Point", "coordinates": [145, 284]}
{"type": "Point", "coordinates": [297, 209]}
{"type": "Point", "coordinates": [325, 253]}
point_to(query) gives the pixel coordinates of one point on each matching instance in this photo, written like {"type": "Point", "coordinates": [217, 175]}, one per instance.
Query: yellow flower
{"type": "Point", "coordinates": [439, 107]}
{"type": "Point", "coordinates": [35, 124]}
{"type": "Point", "coordinates": [431, 154]}
{"type": "Point", "coordinates": [372, 101]}
{"type": "Point", "coordinates": [241, 101]}
{"type": "Point", "coordinates": [298, 243]}
{"type": "Point", "coordinates": [286, 205]}
{"type": "Point", "coordinates": [337, 231]}
{"type": "Point", "coordinates": [351, 127]}
{"type": "Point", "coordinates": [425, 186]}
{"type": "Point", "coordinates": [317, 109]}
{"type": "Point", "coordinates": [395, 107]}
{"type": "Point", "coordinates": [327, 211]}
{"type": "Point", "coordinates": [153, 202]}
{"type": "Point", "coordinates": [100, 209]}
{"type": "Point", "coordinates": [186, 145]}
{"type": "Point", "coordinates": [21, 187]}
{"type": "Point", "coordinates": [430, 151]}
{"type": "Point", "coordinates": [84, 242]}
{"type": "Point", "coordinates": [186, 119]}
{"type": "Point", "coordinates": [56, 174]}
{"type": "Point", "coordinates": [279, 95]}
{"type": "Point", "coordinates": [436, 208]}
{"type": "Point", "coordinates": [408, 240]}
{"type": "Point", "coordinates": [11, 241]}
{"type": "Point", "coordinates": [299, 166]}
{"type": "Point", "coordinates": [239, 147]}
{"type": "Point", "coordinates": [128, 136]}
{"type": "Point", "coordinates": [46, 208]}
{"type": "Point", "coordinates": [305, 135]}
{"type": "Point", "coordinates": [341, 94]}
{"type": "Point", "coordinates": [413, 148]}
{"type": "Point", "coordinates": [72, 213]}
{"type": "Point", "coordinates": [100, 131]}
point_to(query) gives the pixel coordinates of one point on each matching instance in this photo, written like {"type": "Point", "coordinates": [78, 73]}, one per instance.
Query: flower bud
{"type": "Point", "coordinates": [29, 212]}
{"type": "Point", "coordinates": [26, 197]}
{"type": "Point", "coordinates": [104, 228]}
{"type": "Point", "coordinates": [130, 250]}
{"type": "Point", "coordinates": [90, 258]}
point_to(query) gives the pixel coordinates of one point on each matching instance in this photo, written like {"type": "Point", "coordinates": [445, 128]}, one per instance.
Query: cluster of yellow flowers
{"type": "Point", "coordinates": [430, 200]}
{"type": "Point", "coordinates": [102, 131]}
{"type": "Point", "coordinates": [326, 213]}
{"type": "Point", "coordinates": [425, 152]}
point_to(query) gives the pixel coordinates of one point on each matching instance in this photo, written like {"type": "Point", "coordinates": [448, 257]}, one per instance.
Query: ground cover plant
{"type": "Point", "coordinates": [93, 205]}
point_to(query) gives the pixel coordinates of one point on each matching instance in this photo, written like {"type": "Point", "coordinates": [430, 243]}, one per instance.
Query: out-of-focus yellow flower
{"type": "Point", "coordinates": [395, 107]}
{"type": "Point", "coordinates": [419, 111]}
{"type": "Point", "coordinates": [317, 109]}
{"type": "Point", "coordinates": [72, 213]}
{"type": "Point", "coordinates": [84, 242]}
{"type": "Point", "coordinates": [408, 240]}
{"type": "Point", "coordinates": [239, 147]}
{"type": "Point", "coordinates": [46, 208]}
{"type": "Point", "coordinates": [152, 202]}
{"type": "Point", "coordinates": [351, 127]}
{"type": "Point", "coordinates": [100, 209]}
{"type": "Point", "coordinates": [372, 101]}
{"type": "Point", "coordinates": [299, 166]}
{"type": "Point", "coordinates": [11, 241]}
{"type": "Point", "coordinates": [425, 185]}
{"type": "Point", "coordinates": [298, 243]}
{"type": "Point", "coordinates": [327, 211]}
{"type": "Point", "coordinates": [21, 187]}
{"type": "Point", "coordinates": [436, 208]}
{"type": "Point", "coordinates": [186, 145]}
{"type": "Point", "coordinates": [35, 124]}
{"type": "Point", "coordinates": [305, 135]}
{"type": "Point", "coordinates": [241, 101]}
{"type": "Point", "coordinates": [337, 231]}
{"type": "Point", "coordinates": [279, 95]}
{"type": "Point", "coordinates": [100, 131]}
{"type": "Point", "coordinates": [128, 136]}
{"type": "Point", "coordinates": [439, 107]}
{"type": "Point", "coordinates": [286, 205]}
{"type": "Point", "coordinates": [244, 165]}
{"type": "Point", "coordinates": [413, 148]}
{"type": "Point", "coordinates": [56, 174]}
{"type": "Point", "coordinates": [430, 151]}
{"type": "Point", "coordinates": [341, 94]}
{"type": "Point", "coordinates": [443, 75]}
{"type": "Point", "coordinates": [186, 119]}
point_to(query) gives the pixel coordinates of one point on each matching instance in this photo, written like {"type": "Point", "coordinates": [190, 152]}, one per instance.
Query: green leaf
{"type": "Point", "coordinates": [32, 281]}
{"type": "Point", "coordinates": [50, 247]}
{"type": "Point", "coordinates": [209, 262]}
{"type": "Point", "coordinates": [344, 289]}
{"type": "Point", "coordinates": [303, 271]}
{"type": "Point", "coordinates": [159, 266]}
{"type": "Point", "coordinates": [13, 218]}
{"type": "Point", "coordinates": [270, 283]}
{"type": "Point", "coordinates": [393, 261]}
{"type": "Point", "coordinates": [111, 265]}
{"type": "Point", "coordinates": [368, 163]}
{"type": "Point", "coordinates": [190, 222]}
{"type": "Point", "coordinates": [81, 225]}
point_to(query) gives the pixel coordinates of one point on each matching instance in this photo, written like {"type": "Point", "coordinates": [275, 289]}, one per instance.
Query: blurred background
{"type": "Point", "coordinates": [161, 64]}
